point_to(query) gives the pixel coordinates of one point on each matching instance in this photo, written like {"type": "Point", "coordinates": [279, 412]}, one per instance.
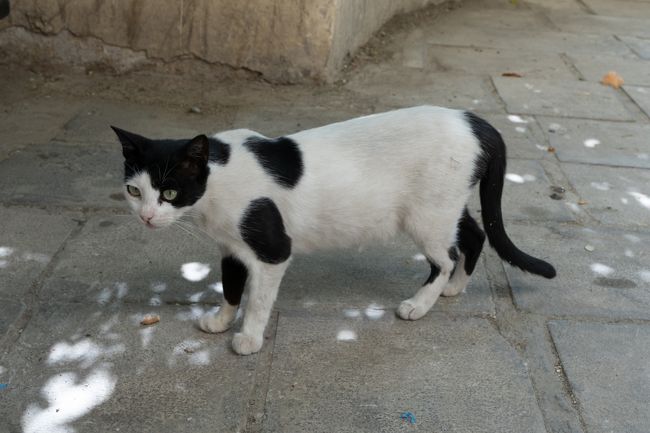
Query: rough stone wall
{"type": "Point", "coordinates": [285, 40]}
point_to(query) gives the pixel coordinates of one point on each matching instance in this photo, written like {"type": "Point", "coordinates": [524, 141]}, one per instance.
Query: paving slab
{"type": "Point", "coordinates": [607, 368]}
{"type": "Point", "coordinates": [491, 61]}
{"type": "Point", "coordinates": [360, 375]}
{"type": "Point", "coordinates": [87, 369]}
{"type": "Point", "coordinates": [393, 90]}
{"type": "Point", "coordinates": [487, 18]}
{"type": "Point", "coordinates": [633, 71]}
{"type": "Point", "coordinates": [91, 124]}
{"type": "Point", "coordinates": [28, 240]}
{"type": "Point", "coordinates": [530, 40]}
{"type": "Point", "coordinates": [640, 46]}
{"type": "Point", "coordinates": [612, 281]}
{"type": "Point", "coordinates": [641, 96]}
{"type": "Point", "coordinates": [618, 196]}
{"type": "Point", "coordinates": [584, 23]}
{"type": "Point", "coordinates": [377, 277]}
{"type": "Point", "coordinates": [11, 310]}
{"type": "Point", "coordinates": [33, 121]}
{"type": "Point", "coordinates": [620, 8]}
{"type": "Point", "coordinates": [561, 99]}
{"type": "Point", "coordinates": [599, 142]}
{"type": "Point", "coordinates": [116, 259]}
{"type": "Point", "coordinates": [522, 135]}
{"type": "Point", "coordinates": [527, 195]}
{"type": "Point", "coordinates": [61, 174]}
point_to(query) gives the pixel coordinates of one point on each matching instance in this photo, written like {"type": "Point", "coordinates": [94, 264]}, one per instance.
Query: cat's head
{"type": "Point", "coordinates": [163, 178]}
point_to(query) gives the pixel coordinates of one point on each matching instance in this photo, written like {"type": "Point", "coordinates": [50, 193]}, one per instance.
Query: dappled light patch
{"type": "Point", "coordinates": [632, 238]}
{"type": "Point", "coordinates": [601, 269]}
{"type": "Point", "coordinates": [346, 335]}
{"type": "Point", "coordinates": [158, 287]}
{"type": "Point", "coordinates": [193, 312]}
{"type": "Point", "coordinates": [591, 142]}
{"type": "Point", "coordinates": [69, 397]}
{"type": "Point", "coordinates": [516, 178]}
{"type": "Point", "coordinates": [196, 297]}
{"type": "Point", "coordinates": [419, 257]}
{"type": "Point", "coordinates": [195, 271]}
{"type": "Point", "coordinates": [374, 311]}
{"type": "Point", "coordinates": [351, 313]}
{"type": "Point", "coordinates": [85, 351]}
{"type": "Point", "coordinates": [516, 119]}
{"type": "Point", "coordinates": [217, 287]}
{"type": "Point", "coordinates": [641, 198]}
{"type": "Point", "coordinates": [115, 293]}
{"type": "Point", "coordinates": [6, 251]}
{"type": "Point", "coordinates": [601, 186]}
{"type": "Point", "coordinates": [645, 275]}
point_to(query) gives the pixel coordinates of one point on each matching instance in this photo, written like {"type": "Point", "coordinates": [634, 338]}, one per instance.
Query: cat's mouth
{"type": "Point", "coordinates": [151, 226]}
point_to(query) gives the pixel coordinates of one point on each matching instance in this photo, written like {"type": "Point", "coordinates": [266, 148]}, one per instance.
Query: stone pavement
{"type": "Point", "coordinates": [515, 353]}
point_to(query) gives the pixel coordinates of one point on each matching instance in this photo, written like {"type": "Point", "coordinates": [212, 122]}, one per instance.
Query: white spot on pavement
{"type": "Point", "coordinates": [84, 351]}
{"type": "Point", "coordinates": [643, 156]}
{"type": "Point", "coordinates": [6, 251]}
{"type": "Point", "coordinates": [374, 311]}
{"type": "Point", "coordinates": [146, 334]}
{"type": "Point", "coordinates": [601, 269]}
{"type": "Point", "coordinates": [520, 129]}
{"type": "Point", "coordinates": [195, 297]}
{"type": "Point", "coordinates": [155, 301]}
{"type": "Point", "coordinates": [632, 238]}
{"type": "Point", "coordinates": [645, 275]}
{"type": "Point", "coordinates": [513, 177]}
{"type": "Point", "coordinates": [629, 253]}
{"type": "Point", "coordinates": [346, 335]}
{"type": "Point", "coordinates": [516, 119]}
{"type": "Point", "coordinates": [195, 271]}
{"type": "Point", "coordinates": [352, 313]}
{"type": "Point", "coordinates": [642, 199]}
{"type": "Point", "coordinates": [217, 287]}
{"type": "Point", "coordinates": [601, 186]}
{"type": "Point", "coordinates": [158, 287]}
{"type": "Point", "coordinates": [624, 200]}
{"type": "Point", "coordinates": [419, 258]}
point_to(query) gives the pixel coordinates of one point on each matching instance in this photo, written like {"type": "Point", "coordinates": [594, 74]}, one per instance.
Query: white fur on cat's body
{"type": "Point", "coordinates": [365, 178]}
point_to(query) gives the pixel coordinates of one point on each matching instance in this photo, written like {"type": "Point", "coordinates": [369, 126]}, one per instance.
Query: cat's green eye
{"type": "Point", "coordinates": [169, 194]}
{"type": "Point", "coordinates": [135, 192]}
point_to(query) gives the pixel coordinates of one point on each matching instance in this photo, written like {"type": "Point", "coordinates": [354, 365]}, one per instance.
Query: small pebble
{"type": "Point", "coordinates": [195, 110]}
{"type": "Point", "coordinates": [556, 196]}
{"type": "Point", "coordinates": [589, 248]}
{"type": "Point", "coordinates": [558, 189]}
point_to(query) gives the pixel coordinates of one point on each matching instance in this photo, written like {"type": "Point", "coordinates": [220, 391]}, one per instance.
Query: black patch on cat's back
{"type": "Point", "coordinates": [491, 142]}
{"type": "Point", "coordinates": [281, 158]}
{"type": "Point", "coordinates": [263, 231]}
{"type": "Point", "coordinates": [219, 151]}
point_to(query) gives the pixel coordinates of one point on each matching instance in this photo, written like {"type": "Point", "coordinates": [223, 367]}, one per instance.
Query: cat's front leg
{"type": "Point", "coordinates": [264, 283]}
{"type": "Point", "coordinates": [234, 275]}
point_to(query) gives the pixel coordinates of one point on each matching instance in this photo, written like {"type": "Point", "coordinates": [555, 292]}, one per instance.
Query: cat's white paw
{"type": "Point", "coordinates": [217, 322]}
{"type": "Point", "coordinates": [245, 344]}
{"type": "Point", "coordinates": [452, 290]}
{"type": "Point", "coordinates": [409, 310]}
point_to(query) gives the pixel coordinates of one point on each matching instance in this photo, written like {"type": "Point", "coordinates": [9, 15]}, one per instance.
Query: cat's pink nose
{"type": "Point", "coordinates": [146, 217]}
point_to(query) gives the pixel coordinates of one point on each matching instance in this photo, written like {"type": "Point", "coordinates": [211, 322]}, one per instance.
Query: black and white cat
{"type": "Point", "coordinates": [263, 199]}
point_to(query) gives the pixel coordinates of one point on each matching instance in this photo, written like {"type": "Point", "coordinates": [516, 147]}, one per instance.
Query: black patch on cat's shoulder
{"type": "Point", "coordinates": [219, 151]}
{"type": "Point", "coordinates": [262, 229]}
{"type": "Point", "coordinates": [279, 157]}
{"type": "Point", "coordinates": [453, 253]}
{"type": "Point", "coordinates": [491, 143]}
{"type": "Point", "coordinates": [233, 275]}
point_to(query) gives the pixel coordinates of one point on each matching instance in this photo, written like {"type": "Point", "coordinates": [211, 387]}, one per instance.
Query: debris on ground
{"type": "Point", "coordinates": [612, 79]}
{"type": "Point", "coordinates": [557, 192]}
{"type": "Point", "coordinates": [150, 319]}
{"type": "Point", "coordinates": [550, 149]}
{"type": "Point", "coordinates": [511, 74]}
{"type": "Point", "coordinates": [582, 202]}
{"type": "Point", "coordinates": [194, 110]}
{"type": "Point", "coordinates": [589, 248]}
{"type": "Point", "coordinates": [408, 417]}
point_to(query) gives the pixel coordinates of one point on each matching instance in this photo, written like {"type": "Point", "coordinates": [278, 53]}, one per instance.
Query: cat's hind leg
{"type": "Point", "coordinates": [470, 244]}
{"type": "Point", "coordinates": [437, 245]}
{"type": "Point", "coordinates": [234, 275]}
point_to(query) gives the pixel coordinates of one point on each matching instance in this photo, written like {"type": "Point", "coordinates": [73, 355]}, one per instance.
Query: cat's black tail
{"type": "Point", "coordinates": [490, 171]}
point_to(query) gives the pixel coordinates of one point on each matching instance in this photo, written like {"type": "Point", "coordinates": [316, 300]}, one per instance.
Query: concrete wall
{"type": "Point", "coordinates": [285, 40]}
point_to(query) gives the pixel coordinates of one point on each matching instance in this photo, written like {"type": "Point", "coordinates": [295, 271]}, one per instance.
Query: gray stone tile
{"type": "Point", "coordinates": [563, 99]}
{"type": "Point", "coordinates": [33, 121]}
{"type": "Point", "coordinates": [28, 240]}
{"type": "Point", "coordinates": [376, 277]}
{"type": "Point", "coordinates": [387, 367]}
{"type": "Point", "coordinates": [633, 71]}
{"type": "Point", "coordinates": [137, 265]}
{"type": "Point", "coordinates": [530, 40]}
{"type": "Point", "coordinates": [92, 123]}
{"type": "Point", "coordinates": [556, 5]}
{"type": "Point", "coordinates": [526, 195]}
{"type": "Point", "coordinates": [607, 368]}
{"type": "Point", "coordinates": [491, 61]}
{"type": "Point", "coordinates": [620, 8]}
{"type": "Point", "coordinates": [619, 196]}
{"type": "Point", "coordinates": [393, 90]}
{"type": "Point", "coordinates": [599, 142]}
{"type": "Point", "coordinates": [611, 281]}
{"type": "Point", "coordinates": [87, 369]}
{"type": "Point", "coordinates": [641, 96]}
{"type": "Point", "coordinates": [11, 310]}
{"type": "Point", "coordinates": [500, 19]}
{"type": "Point", "coordinates": [584, 23]}
{"type": "Point", "coordinates": [522, 135]}
{"type": "Point", "coordinates": [639, 45]}
{"type": "Point", "coordinates": [60, 174]}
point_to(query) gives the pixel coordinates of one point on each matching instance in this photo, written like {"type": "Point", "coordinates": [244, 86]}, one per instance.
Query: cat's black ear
{"type": "Point", "coordinates": [198, 149]}
{"type": "Point", "coordinates": [131, 143]}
